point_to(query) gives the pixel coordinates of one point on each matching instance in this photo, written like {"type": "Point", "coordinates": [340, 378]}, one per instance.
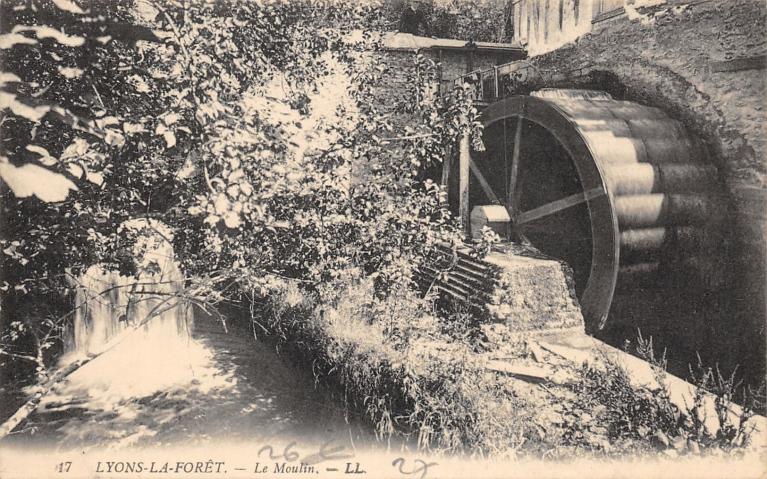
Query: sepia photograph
{"type": "Point", "coordinates": [359, 239]}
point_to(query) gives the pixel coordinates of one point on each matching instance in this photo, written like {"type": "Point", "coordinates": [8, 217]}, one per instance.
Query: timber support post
{"type": "Point", "coordinates": [464, 160]}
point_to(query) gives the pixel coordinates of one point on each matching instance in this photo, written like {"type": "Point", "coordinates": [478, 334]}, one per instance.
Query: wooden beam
{"type": "Point", "coordinates": [513, 193]}
{"type": "Point", "coordinates": [446, 164]}
{"type": "Point", "coordinates": [607, 15]}
{"type": "Point", "coordinates": [758, 62]}
{"type": "Point", "coordinates": [439, 67]}
{"type": "Point", "coordinates": [483, 183]}
{"type": "Point", "coordinates": [558, 205]}
{"type": "Point", "coordinates": [464, 159]}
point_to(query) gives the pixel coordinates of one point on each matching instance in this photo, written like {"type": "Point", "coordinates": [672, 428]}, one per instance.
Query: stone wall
{"type": "Point", "coordinates": [680, 55]}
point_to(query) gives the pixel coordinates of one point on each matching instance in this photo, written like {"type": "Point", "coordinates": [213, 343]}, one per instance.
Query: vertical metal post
{"type": "Point", "coordinates": [495, 76]}
{"type": "Point", "coordinates": [463, 183]}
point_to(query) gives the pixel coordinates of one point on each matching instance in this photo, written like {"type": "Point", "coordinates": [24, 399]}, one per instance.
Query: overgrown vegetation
{"type": "Point", "coordinates": [192, 114]}
{"type": "Point", "coordinates": [195, 114]}
{"type": "Point", "coordinates": [478, 20]}
{"type": "Point", "coordinates": [423, 375]}
{"type": "Point", "coordinates": [397, 365]}
{"type": "Point", "coordinates": [643, 419]}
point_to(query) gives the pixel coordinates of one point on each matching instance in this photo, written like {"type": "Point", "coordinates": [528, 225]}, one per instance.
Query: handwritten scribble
{"type": "Point", "coordinates": [328, 452]}
{"type": "Point", "coordinates": [419, 466]}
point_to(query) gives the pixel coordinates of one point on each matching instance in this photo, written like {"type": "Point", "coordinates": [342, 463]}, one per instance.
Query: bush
{"type": "Point", "coordinates": [394, 363]}
{"type": "Point", "coordinates": [478, 20]}
{"type": "Point", "coordinates": [644, 420]}
{"type": "Point", "coordinates": [168, 111]}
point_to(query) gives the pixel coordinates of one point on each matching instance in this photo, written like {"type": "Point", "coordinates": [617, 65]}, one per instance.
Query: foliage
{"type": "Point", "coordinates": [396, 366]}
{"type": "Point", "coordinates": [734, 431]}
{"type": "Point", "coordinates": [485, 241]}
{"type": "Point", "coordinates": [481, 20]}
{"type": "Point", "coordinates": [628, 415]}
{"type": "Point", "coordinates": [644, 419]}
{"type": "Point", "coordinates": [208, 117]}
{"type": "Point", "coordinates": [478, 20]}
{"type": "Point", "coordinates": [190, 113]}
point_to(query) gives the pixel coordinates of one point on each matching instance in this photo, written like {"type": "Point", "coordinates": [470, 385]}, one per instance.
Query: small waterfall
{"type": "Point", "coordinates": [109, 304]}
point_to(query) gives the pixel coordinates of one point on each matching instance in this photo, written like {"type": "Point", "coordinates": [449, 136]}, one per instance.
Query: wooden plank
{"type": "Point", "coordinates": [558, 205]}
{"type": "Point", "coordinates": [607, 15]}
{"type": "Point", "coordinates": [758, 62]}
{"type": "Point", "coordinates": [601, 17]}
{"type": "Point", "coordinates": [440, 71]}
{"type": "Point", "coordinates": [521, 371]}
{"type": "Point", "coordinates": [455, 279]}
{"type": "Point", "coordinates": [513, 67]}
{"type": "Point", "coordinates": [481, 86]}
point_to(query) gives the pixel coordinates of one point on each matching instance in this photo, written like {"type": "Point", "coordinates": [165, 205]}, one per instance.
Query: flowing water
{"type": "Point", "coordinates": [155, 382]}
{"type": "Point", "coordinates": [110, 305]}
{"type": "Point", "coordinates": [216, 386]}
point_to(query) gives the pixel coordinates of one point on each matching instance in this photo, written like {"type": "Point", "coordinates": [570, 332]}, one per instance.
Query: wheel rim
{"type": "Point", "coordinates": [537, 205]}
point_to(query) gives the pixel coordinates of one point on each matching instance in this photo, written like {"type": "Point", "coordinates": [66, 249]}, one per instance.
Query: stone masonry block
{"type": "Point", "coordinates": [513, 285]}
{"type": "Point", "coordinates": [532, 293]}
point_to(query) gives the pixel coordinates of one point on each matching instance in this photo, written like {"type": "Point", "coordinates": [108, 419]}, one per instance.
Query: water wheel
{"type": "Point", "coordinates": [618, 190]}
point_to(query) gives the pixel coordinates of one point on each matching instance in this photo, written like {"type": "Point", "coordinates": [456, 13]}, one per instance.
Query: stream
{"type": "Point", "coordinates": [217, 386]}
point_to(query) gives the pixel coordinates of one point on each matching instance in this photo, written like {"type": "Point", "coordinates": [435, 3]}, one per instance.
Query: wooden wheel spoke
{"type": "Point", "coordinates": [556, 206]}
{"type": "Point", "coordinates": [483, 183]}
{"type": "Point", "coordinates": [512, 199]}
{"type": "Point", "coordinates": [522, 238]}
